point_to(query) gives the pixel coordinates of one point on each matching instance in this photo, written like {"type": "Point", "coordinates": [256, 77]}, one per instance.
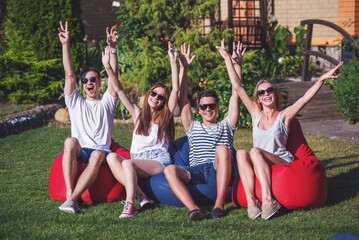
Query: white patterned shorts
{"type": "Point", "coordinates": [158, 155]}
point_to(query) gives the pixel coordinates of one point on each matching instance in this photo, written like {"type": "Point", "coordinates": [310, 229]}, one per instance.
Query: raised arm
{"type": "Point", "coordinates": [289, 113]}
{"type": "Point", "coordinates": [113, 80]}
{"type": "Point", "coordinates": [185, 61]}
{"type": "Point", "coordinates": [70, 77]}
{"type": "Point", "coordinates": [173, 99]}
{"type": "Point", "coordinates": [236, 82]}
{"type": "Point", "coordinates": [111, 42]}
{"type": "Point", "coordinates": [233, 108]}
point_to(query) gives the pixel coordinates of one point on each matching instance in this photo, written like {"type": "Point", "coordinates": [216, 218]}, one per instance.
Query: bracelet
{"type": "Point", "coordinates": [114, 51]}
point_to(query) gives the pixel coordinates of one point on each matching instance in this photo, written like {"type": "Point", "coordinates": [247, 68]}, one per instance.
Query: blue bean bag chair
{"type": "Point", "coordinates": [158, 189]}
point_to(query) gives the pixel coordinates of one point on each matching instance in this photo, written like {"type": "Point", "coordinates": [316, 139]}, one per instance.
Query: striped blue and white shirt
{"type": "Point", "coordinates": [203, 140]}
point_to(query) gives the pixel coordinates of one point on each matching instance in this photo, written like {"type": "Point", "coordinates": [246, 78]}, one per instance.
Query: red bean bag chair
{"type": "Point", "coordinates": [105, 188]}
{"type": "Point", "coordinates": [300, 184]}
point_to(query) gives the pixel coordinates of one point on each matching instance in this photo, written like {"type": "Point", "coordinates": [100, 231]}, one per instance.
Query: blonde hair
{"type": "Point", "coordinates": [278, 97]}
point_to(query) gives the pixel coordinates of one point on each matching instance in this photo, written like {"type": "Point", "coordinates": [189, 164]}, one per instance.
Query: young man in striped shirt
{"type": "Point", "coordinates": [210, 142]}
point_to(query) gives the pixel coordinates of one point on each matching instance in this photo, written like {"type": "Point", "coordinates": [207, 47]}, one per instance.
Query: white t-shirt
{"type": "Point", "coordinates": [142, 143]}
{"type": "Point", "coordinates": [91, 121]}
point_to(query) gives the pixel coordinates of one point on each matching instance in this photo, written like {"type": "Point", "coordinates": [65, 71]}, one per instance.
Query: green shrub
{"type": "Point", "coordinates": [31, 29]}
{"type": "Point", "coordinates": [29, 81]}
{"type": "Point", "coordinates": [346, 91]}
{"type": "Point", "coordinates": [146, 27]}
{"type": "Point", "coordinates": [275, 60]}
{"type": "Point", "coordinates": [30, 67]}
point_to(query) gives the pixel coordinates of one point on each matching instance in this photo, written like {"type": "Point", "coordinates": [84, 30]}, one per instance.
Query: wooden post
{"type": "Point", "coordinates": [306, 75]}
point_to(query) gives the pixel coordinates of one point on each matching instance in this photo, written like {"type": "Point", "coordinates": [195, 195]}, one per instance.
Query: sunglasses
{"type": "Point", "coordinates": [92, 79]}
{"type": "Point", "coordinates": [211, 106]}
{"type": "Point", "coordinates": [268, 90]}
{"type": "Point", "coordinates": [159, 97]}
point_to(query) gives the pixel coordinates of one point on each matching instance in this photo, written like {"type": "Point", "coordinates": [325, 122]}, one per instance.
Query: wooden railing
{"type": "Point", "coordinates": [308, 44]}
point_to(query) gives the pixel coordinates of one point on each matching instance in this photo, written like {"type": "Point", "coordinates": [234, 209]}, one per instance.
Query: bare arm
{"type": "Point", "coordinates": [186, 111]}
{"type": "Point", "coordinates": [70, 77]}
{"type": "Point", "coordinates": [111, 42]}
{"type": "Point", "coordinates": [234, 102]}
{"type": "Point", "coordinates": [236, 82]}
{"type": "Point", "coordinates": [289, 113]}
{"type": "Point", "coordinates": [173, 99]}
{"type": "Point", "coordinates": [113, 80]}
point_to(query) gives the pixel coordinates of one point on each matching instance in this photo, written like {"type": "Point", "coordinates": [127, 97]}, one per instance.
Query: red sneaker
{"type": "Point", "coordinates": [129, 210]}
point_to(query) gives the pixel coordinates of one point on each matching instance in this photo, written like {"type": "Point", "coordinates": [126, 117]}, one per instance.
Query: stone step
{"type": "Point", "coordinates": [321, 107]}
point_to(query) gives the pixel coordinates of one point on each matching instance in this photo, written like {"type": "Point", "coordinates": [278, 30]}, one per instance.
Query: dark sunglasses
{"type": "Point", "coordinates": [159, 97]}
{"type": "Point", "coordinates": [268, 90]}
{"type": "Point", "coordinates": [92, 79]}
{"type": "Point", "coordinates": [211, 106]}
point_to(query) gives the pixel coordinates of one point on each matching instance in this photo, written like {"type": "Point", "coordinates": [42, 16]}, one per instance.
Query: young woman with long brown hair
{"type": "Point", "coordinates": [152, 134]}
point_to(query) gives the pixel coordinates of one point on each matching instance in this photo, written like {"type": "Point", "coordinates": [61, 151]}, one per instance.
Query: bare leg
{"type": "Point", "coordinates": [247, 176]}
{"type": "Point", "coordinates": [223, 163]}
{"type": "Point", "coordinates": [89, 175]}
{"type": "Point", "coordinates": [176, 177]}
{"type": "Point", "coordinates": [133, 169]}
{"type": "Point", "coordinates": [115, 163]}
{"type": "Point", "coordinates": [262, 161]}
{"type": "Point", "coordinates": [72, 148]}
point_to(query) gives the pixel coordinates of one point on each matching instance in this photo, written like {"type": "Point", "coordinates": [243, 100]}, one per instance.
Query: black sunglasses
{"type": "Point", "coordinates": [85, 80]}
{"type": "Point", "coordinates": [268, 90]}
{"type": "Point", "coordinates": [159, 97]}
{"type": "Point", "coordinates": [211, 106]}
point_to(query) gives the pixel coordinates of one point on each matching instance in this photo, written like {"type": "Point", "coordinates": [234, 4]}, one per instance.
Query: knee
{"type": "Point", "coordinates": [127, 163]}
{"type": "Point", "coordinates": [97, 157]}
{"type": "Point", "coordinates": [170, 171]}
{"type": "Point", "coordinates": [223, 154]}
{"type": "Point", "coordinates": [71, 143]}
{"type": "Point", "coordinates": [255, 152]}
{"type": "Point", "coordinates": [242, 155]}
{"type": "Point", "coordinates": [222, 149]}
{"type": "Point", "coordinates": [112, 158]}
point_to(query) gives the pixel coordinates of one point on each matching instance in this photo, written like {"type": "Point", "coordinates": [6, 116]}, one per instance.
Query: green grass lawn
{"type": "Point", "coordinates": [28, 212]}
{"type": "Point", "coordinates": [14, 108]}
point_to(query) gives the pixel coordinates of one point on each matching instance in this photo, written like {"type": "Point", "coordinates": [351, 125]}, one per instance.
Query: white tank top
{"type": "Point", "coordinates": [273, 139]}
{"type": "Point", "coordinates": [142, 143]}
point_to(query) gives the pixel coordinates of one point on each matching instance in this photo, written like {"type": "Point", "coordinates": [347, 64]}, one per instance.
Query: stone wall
{"type": "Point", "coordinates": [36, 117]}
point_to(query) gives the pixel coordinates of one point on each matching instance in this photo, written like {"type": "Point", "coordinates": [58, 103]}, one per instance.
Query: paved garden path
{"type": "Point", "coordinates": [320, 116]}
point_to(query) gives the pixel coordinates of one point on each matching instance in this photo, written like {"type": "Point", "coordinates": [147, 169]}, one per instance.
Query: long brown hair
{"type": "Point", "coordinates": [162, 117]}
{"type": "Point", "coordinates": [278, 98]}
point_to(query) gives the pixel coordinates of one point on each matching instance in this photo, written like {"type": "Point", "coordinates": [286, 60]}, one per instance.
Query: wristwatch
{"type": "Point", "coordinates": [114, 51]}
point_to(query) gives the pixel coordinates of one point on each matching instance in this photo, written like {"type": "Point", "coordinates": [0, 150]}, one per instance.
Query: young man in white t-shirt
{"type": "Point", "coordinates": [91, 122]}
{"type": "Point", "coordinates": [210, 144]}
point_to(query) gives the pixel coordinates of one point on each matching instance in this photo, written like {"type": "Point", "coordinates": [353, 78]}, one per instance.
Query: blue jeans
{"type": "Point", "coordinates": [201, 174]}
{"type": "Point", "coordinates": [85, 154]}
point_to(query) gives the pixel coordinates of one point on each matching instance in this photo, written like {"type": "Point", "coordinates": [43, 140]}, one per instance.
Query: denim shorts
{"type": "Point", "coordinates": [158, 155]}
{"type": "Point", "coordinates": [201, 174]}
{"type": "Point", "coordinates": [85, 154]}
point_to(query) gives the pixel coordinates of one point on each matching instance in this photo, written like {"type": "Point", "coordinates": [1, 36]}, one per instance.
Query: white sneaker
{"type": "Point", "coordinates": [69, 207]}
{"type": "Point", "coordinates": [146, 202]}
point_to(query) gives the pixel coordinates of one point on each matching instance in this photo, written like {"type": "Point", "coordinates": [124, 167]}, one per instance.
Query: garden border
{"type": "Point", "coordinates": [16, 123]}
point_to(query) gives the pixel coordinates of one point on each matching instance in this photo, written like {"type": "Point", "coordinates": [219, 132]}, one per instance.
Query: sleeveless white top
{"type": "Point", "coordinates": [142, 143]}
{"type": "Point", "coordinates": [273, 139]}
